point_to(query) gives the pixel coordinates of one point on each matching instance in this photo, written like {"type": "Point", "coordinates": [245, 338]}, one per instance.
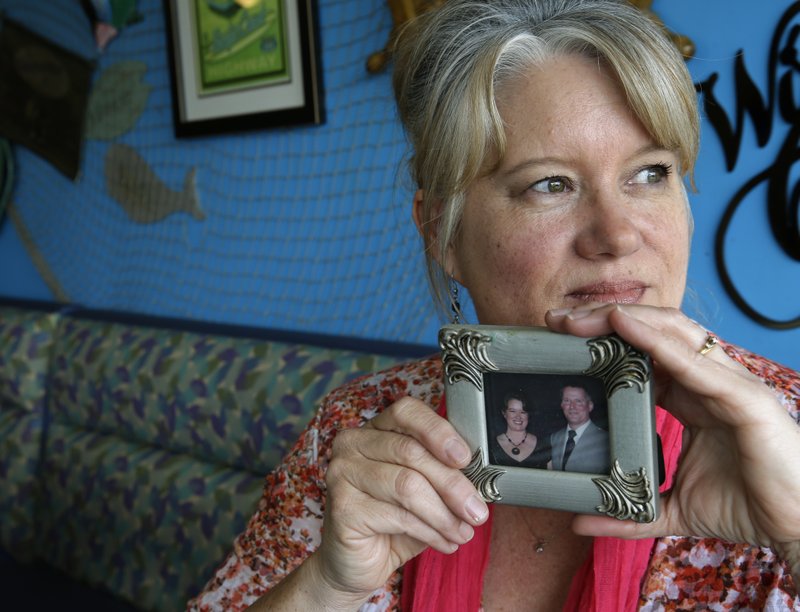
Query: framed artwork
{"type": "Point", "coordinates": [239, 65]}
{"type": "Point", "coordinates": [554, 421]}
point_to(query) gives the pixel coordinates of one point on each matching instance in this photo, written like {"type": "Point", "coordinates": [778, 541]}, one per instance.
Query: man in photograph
{"type": "Point", "coordinates": [581, 446]}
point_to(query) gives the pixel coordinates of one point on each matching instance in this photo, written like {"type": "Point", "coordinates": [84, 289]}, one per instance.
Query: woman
{"type": "Point", "coordinates": [550, 140]}
{"type": "Point", "coordinates": [516, 446]}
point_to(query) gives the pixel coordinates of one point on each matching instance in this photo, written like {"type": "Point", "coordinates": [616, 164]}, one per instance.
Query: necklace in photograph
{"type": "Point", "coordinates": [515, 450]}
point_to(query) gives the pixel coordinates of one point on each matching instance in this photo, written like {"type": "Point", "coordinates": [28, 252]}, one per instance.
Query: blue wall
{"type": "Point", "coordinates": [765, 275]}
{"type": "Point", "coordinates": [309, 227]}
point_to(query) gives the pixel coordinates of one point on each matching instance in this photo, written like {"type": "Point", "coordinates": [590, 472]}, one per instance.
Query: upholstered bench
{"type": "Point", "coordinates": [133, 449]}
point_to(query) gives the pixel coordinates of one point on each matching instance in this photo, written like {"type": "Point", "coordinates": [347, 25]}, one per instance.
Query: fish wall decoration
{"type": "Point", "coordinates": [143, 196]}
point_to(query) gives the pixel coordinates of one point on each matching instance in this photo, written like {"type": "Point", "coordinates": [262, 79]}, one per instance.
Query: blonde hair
{"type": "Point", "coordinates": [451, 61]}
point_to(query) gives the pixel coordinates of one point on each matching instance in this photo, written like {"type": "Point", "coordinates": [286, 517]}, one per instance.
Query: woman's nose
{"type": "Point", "coordinates": [609, 230]}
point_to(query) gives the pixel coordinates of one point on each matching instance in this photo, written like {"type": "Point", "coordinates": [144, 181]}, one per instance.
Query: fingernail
{"type": "Point", "coordinates": [456, 451]}
{"type": "Point", "coordinates": [476, 508]}
{"type": "Point", "coordinates": [466, 531]}
{"type": "Point", "coordinates": [559, 312]}
{"type": "Point", "coordinates": [580, 314]}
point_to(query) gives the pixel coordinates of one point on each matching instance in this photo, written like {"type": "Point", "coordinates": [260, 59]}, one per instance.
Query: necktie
{"type": "Point", "coordinates": [568, 448]}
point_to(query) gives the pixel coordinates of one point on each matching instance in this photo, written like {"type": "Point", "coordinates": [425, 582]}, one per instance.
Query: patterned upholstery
{"type": "Point", "coordinates": [158, 444]}
{"type": "Point", "coordinates": [143, 522]}
{"type": "Point", "coordinates": [236, 401]}
{"type": "Point", "coordinates": [26, 337]}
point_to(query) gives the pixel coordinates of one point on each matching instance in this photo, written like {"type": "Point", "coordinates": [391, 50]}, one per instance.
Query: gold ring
{"type": "Point", "coordinates": [711, 342]}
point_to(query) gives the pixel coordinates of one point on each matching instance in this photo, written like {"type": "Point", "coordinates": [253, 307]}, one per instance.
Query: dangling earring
{"type": "Point", "coordinates": [455, 305]}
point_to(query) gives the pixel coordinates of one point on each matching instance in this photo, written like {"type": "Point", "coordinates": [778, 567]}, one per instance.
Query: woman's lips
{"type": "Point", "coordinates": [629, 292]}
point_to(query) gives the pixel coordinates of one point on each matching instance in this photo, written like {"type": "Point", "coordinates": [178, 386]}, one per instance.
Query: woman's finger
{"type": "Point", "coordinates": [429, 444]}
{"type": "Point", "coordinates": [605, 526]}
{"type": "Point", "coordinates": [731, 388]}
{"type": "Point", "coordinates": [361, 517]}
{"type": "Point", "coordinates": [397, 469]}
{"type": "Point", "coordinates": [585, 321]}
{"type": "Point", "coordinates": [597, 320]}
{"type": "Point", "coordinates": [670, 325]}
{"type": "Point", "coordinates": [415, 419]}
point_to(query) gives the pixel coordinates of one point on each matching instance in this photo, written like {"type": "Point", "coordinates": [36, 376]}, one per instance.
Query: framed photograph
{"type": "Point", "coordinates": [554, 421]}
{"type": "Point", "coordinates": [239, 65]}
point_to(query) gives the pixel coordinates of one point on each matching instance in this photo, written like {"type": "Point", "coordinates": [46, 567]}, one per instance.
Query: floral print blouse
{"type": "Point", "coordinates": [684, 573]}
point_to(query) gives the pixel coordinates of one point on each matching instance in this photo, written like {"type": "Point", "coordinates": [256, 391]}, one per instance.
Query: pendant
{"type": "Point", "coordinates": [515, 451]}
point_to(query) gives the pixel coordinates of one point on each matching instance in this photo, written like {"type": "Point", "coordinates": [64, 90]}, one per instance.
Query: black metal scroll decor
{"type": "Point", "coordinates": [783, 198]}
{"type": "Point", "coordinates": [618, 364]}
{"type": "Point", "coordinates": [464, 356]}
{"type": "Point", "coordinates": [626, 496]}
{"type": "Point", "coordinates": [484, 477]}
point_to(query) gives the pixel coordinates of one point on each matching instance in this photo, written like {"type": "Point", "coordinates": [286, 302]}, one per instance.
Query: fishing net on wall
{"type": "Point", "coordinates": [302, 228]}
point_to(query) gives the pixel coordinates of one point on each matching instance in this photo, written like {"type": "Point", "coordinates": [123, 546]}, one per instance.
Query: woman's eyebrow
{"type": "Point", "coordinates": [652, 148]}
{"type": "Point", "coordinates": [532, 162]}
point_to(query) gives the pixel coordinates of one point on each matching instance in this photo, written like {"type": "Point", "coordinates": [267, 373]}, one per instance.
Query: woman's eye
{"type": "Point", "coordinates": [553, 184]}
{"type": "Point", "coordinates": [651, 174]}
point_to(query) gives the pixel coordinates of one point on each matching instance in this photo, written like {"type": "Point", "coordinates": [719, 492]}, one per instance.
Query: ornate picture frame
{"type": "Point", "coordinates": [476, 357]}
{"type": "Point", "coordinates": [242, 65]}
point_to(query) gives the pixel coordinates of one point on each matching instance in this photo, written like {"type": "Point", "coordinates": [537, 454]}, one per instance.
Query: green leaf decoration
{"type": "Point", "coordinates": [253, 485]}
{"type": "Point", "coordinates": [164, 366]}
{"type": "Point", "coordinates": [365, 363]}
{"type": "Point", "coordinates": [222, 500]}
{"type": "Point", "coordinates": [93, 355]}
{"type": "Point", "coordinates": [20, 368]}
{"type": "Point", "coordinates": [248, 381]}
{"type": "Point", "coordinates": [145, 382]}
{"type": "Point", "coordinates": [225, 397]}
{"type": "Point", "coordinates": [118, 99]}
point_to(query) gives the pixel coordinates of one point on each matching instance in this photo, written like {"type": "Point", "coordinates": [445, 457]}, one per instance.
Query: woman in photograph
{"type": "Point", "coordinates": [518, 446]}
{"type": "Point", "coordinates": [551, 141]}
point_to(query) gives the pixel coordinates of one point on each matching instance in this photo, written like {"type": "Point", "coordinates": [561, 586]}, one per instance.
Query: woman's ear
{"type": "Point", "coordinates": [428, 228]}
{"type": "Point", "coordinates": [418, 215]}
{"type": "Point", "coordinates": [427, 222]}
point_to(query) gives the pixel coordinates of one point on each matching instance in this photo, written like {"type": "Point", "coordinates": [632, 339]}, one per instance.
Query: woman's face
{"type": "Point", "coordinates": [584, 207]}
{"type": "Point", "coordinates": [515, 415]}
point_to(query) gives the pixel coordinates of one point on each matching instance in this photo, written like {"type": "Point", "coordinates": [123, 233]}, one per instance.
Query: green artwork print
{"type": "Point", "coordinates": [241, 44]}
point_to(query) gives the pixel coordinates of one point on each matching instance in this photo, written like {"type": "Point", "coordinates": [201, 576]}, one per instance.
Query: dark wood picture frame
{"type": "Point", "coordinates": [295, 101]}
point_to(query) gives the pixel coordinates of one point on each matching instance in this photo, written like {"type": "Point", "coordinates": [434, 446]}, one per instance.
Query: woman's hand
{"type": "Point", "coordinates": [394, 488]}
{"type": "Point", "coordinates": [738, 478]}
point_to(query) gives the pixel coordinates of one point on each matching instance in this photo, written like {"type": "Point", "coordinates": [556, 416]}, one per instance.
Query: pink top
{"type": "Point", "coordinates": [683, 573]}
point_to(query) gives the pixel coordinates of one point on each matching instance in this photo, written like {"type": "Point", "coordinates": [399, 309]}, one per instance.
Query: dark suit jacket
{"type": "Point", "coordinates": [591, 453]}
